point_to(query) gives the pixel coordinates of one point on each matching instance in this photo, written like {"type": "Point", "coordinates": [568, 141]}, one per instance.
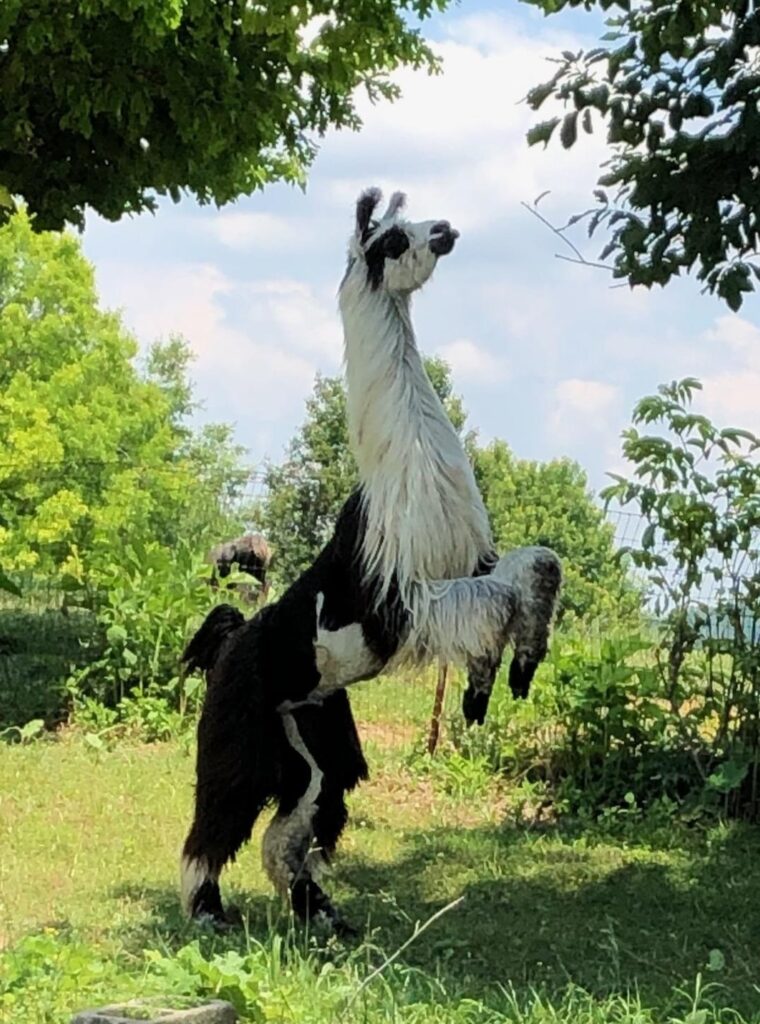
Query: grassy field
{"type": "Point", "coordinates": [557, 922]}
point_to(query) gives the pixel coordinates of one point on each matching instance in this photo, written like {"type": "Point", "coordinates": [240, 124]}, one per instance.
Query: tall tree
{"type": "Point", "coordinates": [96, 454]}
{"type": "Point", "coordinates": [305, 493]}
{"type": "Point", "coordinates": [677, 88]}
{"type": "Point", "coordinates": [107, 104]}
{"type": "Point", "coordinates": [550, 503]}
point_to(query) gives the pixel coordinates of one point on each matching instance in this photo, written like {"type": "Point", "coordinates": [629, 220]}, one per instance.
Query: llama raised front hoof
{"type": "Point", "coordinates": [521, 673]}
{"type": "Point", "coordinates": [475, 706]}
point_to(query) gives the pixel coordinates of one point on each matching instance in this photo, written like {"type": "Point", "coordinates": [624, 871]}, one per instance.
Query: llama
{"type": "Point", "coordinates": [251, 554]}
{"type": "Point", "coordinates": [409, 574]}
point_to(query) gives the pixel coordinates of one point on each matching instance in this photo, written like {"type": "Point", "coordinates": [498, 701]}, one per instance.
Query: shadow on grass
{"type": "Point", "coordinates": [539, 912]}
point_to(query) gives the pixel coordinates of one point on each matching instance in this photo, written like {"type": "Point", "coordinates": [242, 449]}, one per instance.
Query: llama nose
{"type": "Point", "coordinates": [442, 238]}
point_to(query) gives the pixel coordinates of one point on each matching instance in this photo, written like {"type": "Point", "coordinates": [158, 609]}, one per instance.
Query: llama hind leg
{"type": "Point", "coordinates": [325, 760]}
{"type": "Point", "coordinates": [237, 754]}
{"type": "Point", "coordinates": [224, 817]}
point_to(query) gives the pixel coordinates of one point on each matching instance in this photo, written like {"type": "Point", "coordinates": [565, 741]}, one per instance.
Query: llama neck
{"type": "Point", "coordinates": [425, 517]}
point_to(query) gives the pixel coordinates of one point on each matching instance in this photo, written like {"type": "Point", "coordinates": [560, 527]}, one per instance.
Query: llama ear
{"type": "Point", "coordinates": [365, 207]}
{"type": "Point", "coordinates": [397, 203]}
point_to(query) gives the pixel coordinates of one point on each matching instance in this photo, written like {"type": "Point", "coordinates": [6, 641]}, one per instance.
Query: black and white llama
{"type": "Point", "coordinates": [409, 575]}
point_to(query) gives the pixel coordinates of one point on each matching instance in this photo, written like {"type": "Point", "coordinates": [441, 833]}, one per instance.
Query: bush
{"type": "Point", "coordinates": [149, 603]}
{"type": "Point", "coordinates": [667, 716]}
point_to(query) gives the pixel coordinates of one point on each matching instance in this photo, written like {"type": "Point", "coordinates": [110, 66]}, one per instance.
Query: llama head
{"type": "Point", "coordinates": [391, 253]}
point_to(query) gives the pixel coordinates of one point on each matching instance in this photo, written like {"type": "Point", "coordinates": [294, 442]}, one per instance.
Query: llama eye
{"type": "Point", "coordinates": [395, 243]}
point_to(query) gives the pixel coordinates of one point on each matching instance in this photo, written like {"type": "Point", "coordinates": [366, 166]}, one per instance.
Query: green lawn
{"type": "Point", "coordinates": [556, 923]}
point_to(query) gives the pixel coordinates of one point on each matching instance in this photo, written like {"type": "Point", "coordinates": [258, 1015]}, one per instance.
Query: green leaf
{"type": "Point", "coordinates": [116, 634]}
{"type": "Point", "coordinates": [32, 730]}
{"type": "Point", "coordinates": [716, 961]}
{"type": "Point", "coordinates": [542, 132]}
{"type": "Point", "coordinates": [569, 131]}
{"type": "Point", "coordinates": [7, 585]}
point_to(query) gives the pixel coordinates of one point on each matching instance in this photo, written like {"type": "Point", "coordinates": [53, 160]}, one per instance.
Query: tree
{"type": "Point", "coordinates": [677, 87]}
{"type": "Point", "coordinates": [550, 503]}
{"type": "Point", "coordinates": [106, 104]}
{"type": "Point", "coordinates": [96, 455]}
{"type": "Point", "coordinates": [305, 493]}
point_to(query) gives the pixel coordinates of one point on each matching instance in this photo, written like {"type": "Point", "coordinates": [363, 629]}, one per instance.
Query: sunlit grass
{"type": "Point", "coordinates": [556, 924]}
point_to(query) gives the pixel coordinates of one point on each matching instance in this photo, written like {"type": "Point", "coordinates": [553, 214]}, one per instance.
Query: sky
{"type": "Point", "coordinates": [547, 355]}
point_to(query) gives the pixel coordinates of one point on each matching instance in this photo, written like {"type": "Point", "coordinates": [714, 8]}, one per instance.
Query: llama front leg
{"type": "Point", "coordinates": [535, 574]}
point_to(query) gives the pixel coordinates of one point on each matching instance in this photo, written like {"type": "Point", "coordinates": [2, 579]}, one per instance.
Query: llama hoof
{"type": "Point", "coordinates": [521, 674]}
{"type": "Point", "coordinates": [207, 908]}
{"type": "Point", "coordinates": [475, 706]}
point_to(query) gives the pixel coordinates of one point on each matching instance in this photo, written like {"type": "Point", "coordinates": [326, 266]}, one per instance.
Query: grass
{"type": "Point", "coordinates": [557, 923]}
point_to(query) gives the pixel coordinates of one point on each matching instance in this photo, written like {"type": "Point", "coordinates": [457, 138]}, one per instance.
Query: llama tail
{"type": "Point", "coordinates": [203, 650]}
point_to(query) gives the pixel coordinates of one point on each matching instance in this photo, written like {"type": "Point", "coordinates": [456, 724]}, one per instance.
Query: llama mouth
{"type": "Point", "coordinates": [442, 239]}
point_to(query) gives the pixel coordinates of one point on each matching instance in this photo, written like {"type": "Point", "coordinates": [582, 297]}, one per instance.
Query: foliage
{"type": "Point", "coordinates": [105, 105]}
{"type": "Point", "coordinates": [150, 600]}
{"type": "Point", "coordinates": [660, 714]}
{"type": "Point", "coordinates": [109, 499]}
{"type": "Point", "coordinates": [95, 452]}
{"type": "Point", "coordinates": [305, 493]}
{"type": "Point", "coordinates": [39, 648]}
{"type": "Point", "coordinates": [550, 503]}
{"type": "Point", "coordinates": [677, 88]}
{"type": "Point", "coordinates": [698, 487]}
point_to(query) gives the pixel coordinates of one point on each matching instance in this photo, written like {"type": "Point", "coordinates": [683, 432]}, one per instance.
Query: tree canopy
{"type": "Point", "coordinates": [107, 104]}
{"type": "Point", "coordinates": [97, 454]}
{"type": "Point", "coordinates": [550, 503]}
{"type": "Point", "coordinates": [677, 88]}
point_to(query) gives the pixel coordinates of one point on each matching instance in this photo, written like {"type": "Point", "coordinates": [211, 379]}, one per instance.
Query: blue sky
{"type": "Point", "coordinates": [546, 354]}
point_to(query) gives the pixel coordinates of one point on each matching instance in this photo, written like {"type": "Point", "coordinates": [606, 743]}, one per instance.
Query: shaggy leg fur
{"type": "Point", "coordinates": [229, 798]}
{"type": "Point", "coordinates": [323, 760]}
{"type": "Point", "coordinates": [239, 744]}
{"type": "Point", "coordinates": [535, 576]}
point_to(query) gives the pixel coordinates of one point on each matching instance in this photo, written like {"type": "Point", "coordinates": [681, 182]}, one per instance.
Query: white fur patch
{"type": "Point", "coordinates": [461, 619]}
{"type": "Point", "coordinates": [193, 872]}
{"type": "Point", "coordinates": [342, 655]}
{"type": "Point", "coordinates": [535, 575]}
{"type": "Point", "coordinates": [425, 516]}
{"type": "Point", "coordinates": [284, 838]}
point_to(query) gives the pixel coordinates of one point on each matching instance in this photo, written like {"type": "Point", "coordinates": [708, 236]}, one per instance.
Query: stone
{"type": "Point", "coordinates": [216, 1012]}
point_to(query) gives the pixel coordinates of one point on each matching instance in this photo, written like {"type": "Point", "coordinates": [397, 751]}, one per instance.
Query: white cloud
{"type": "Point", "coordinates": [583, 408]}
{"type": "Point", "coordinates": [741, 337]}
{"type": "Point", "coordinates": [293, 312]}
{"type": "Point", "coordinates": [256, 379]}
{"type": "Point", "coordinates": [243, 230]}
{"type": "Point", "coordinates": [458, 139]}
{"type": "Point", "coordinates": [732, 393]}
{"type": "Point", "coordinates": [471, 362]}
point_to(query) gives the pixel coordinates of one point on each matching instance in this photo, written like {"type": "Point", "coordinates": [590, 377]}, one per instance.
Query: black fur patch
{"type": "Point", "coordinates": [390, 245]}
{"type": "Point", "coordinates": [203, 650]}
{"type": "Point", "coordinates": [365, 207]}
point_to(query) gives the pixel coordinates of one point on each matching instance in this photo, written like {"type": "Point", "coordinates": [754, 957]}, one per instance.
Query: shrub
{"type": "Point", "coordinates": [149, 602]}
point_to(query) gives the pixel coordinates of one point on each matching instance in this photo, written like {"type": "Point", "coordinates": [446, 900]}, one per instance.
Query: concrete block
{"type": "Point", "coordinates": [216, 1012]}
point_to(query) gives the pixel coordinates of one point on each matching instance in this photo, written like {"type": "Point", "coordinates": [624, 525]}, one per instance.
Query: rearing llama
{"type": "Point", "coordinates": [409, 574]}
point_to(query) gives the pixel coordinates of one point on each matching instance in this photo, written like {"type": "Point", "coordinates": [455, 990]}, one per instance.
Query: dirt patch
{"type": "Point", "coordinates": [388, 735]}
